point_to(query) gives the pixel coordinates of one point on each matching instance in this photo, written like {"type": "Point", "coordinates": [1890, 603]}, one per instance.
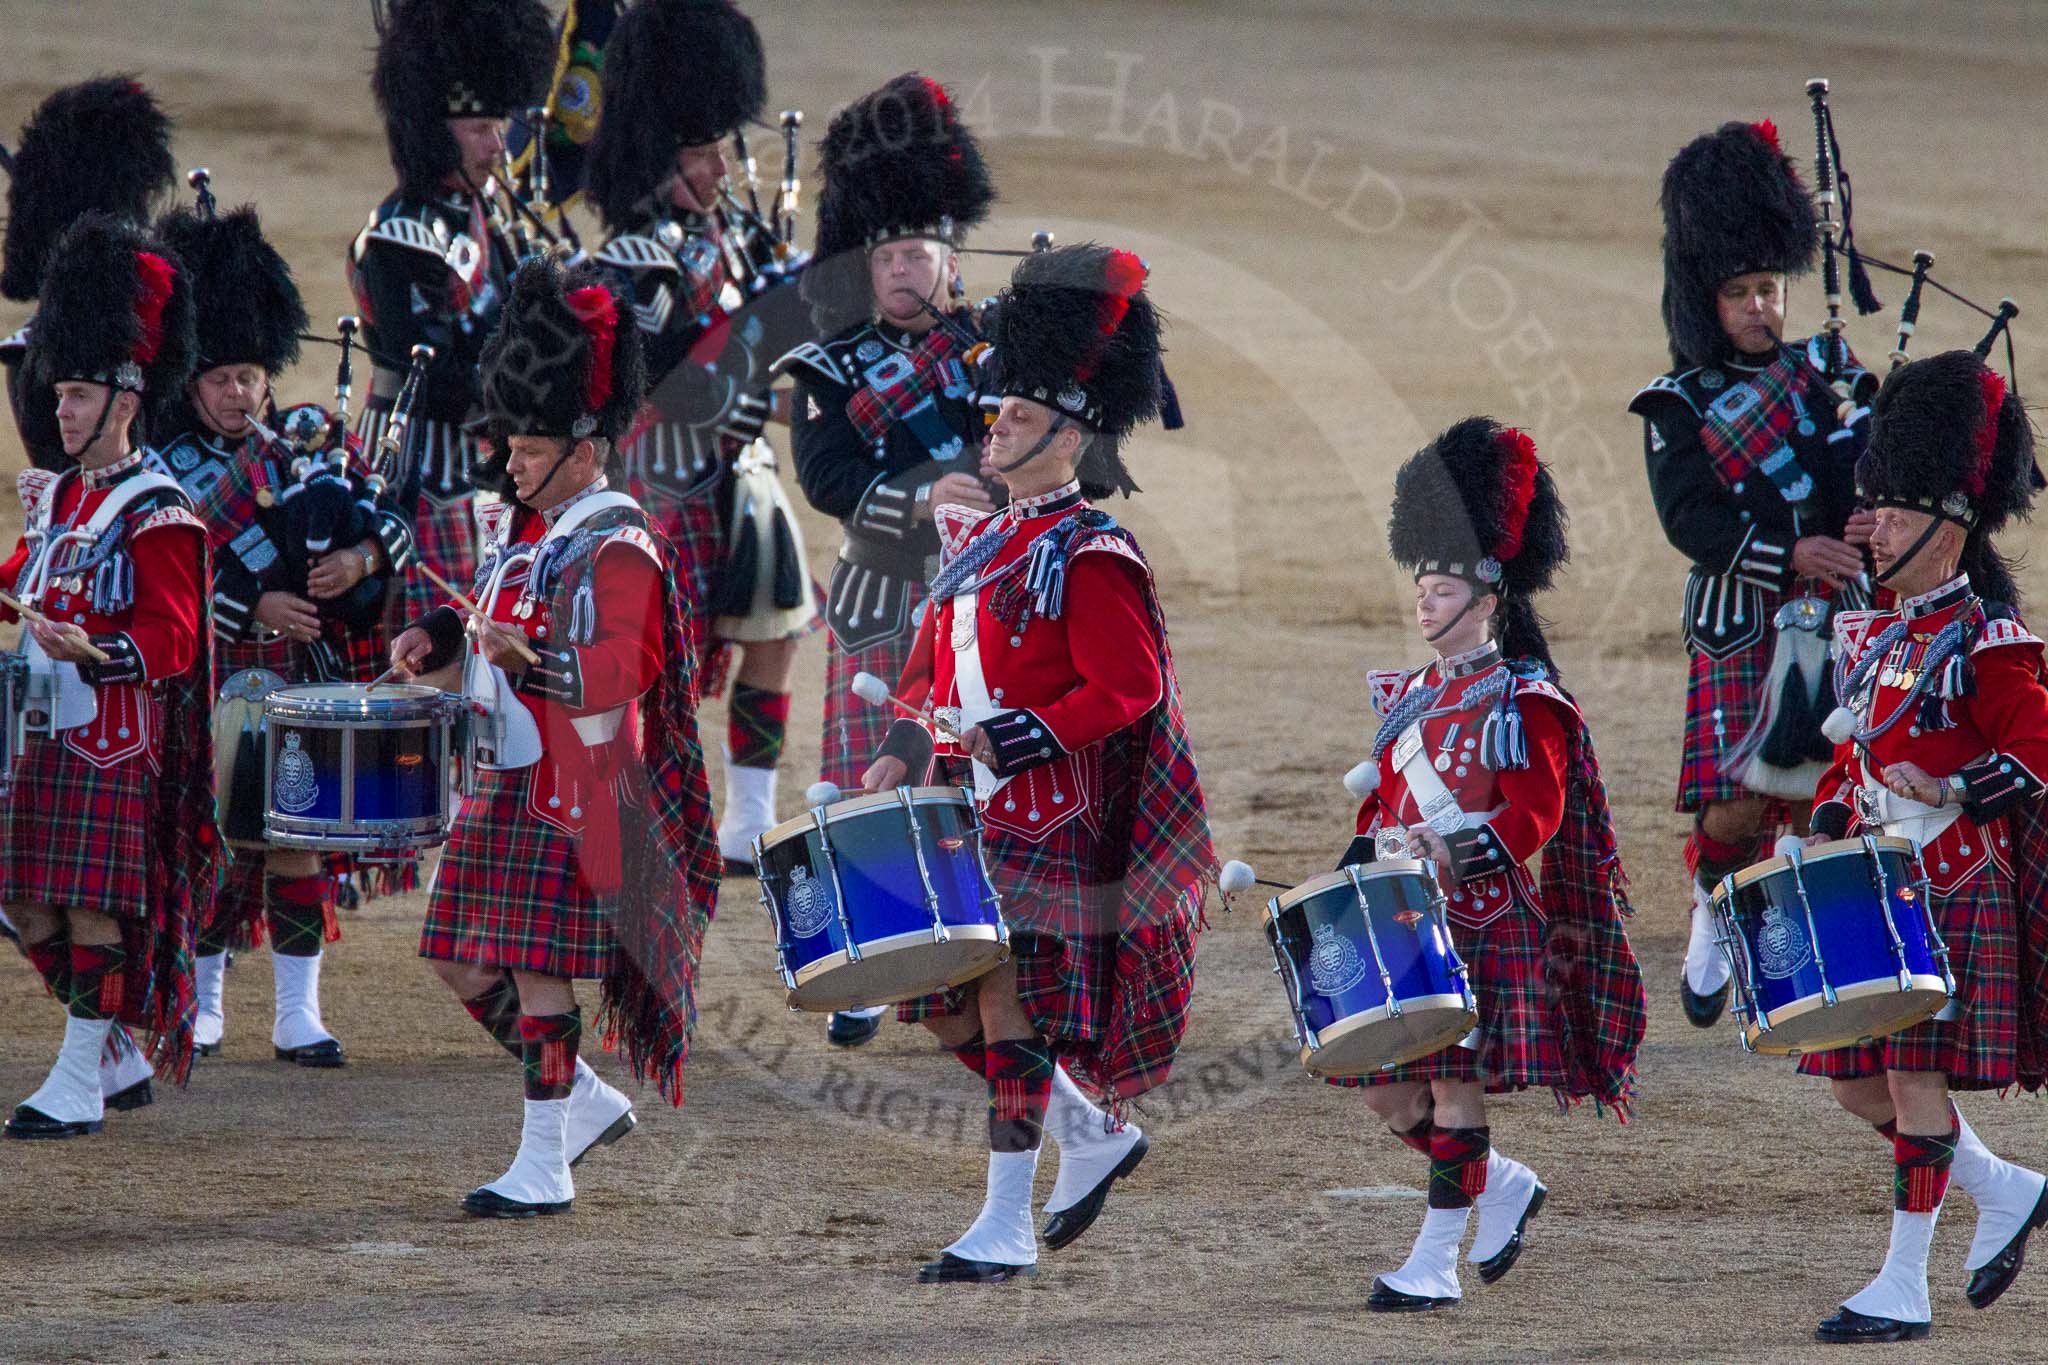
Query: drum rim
{"type": "Point", "coordinates": [1820, 853]}
{"type": "Point", "coordinates": [816, 969]}
{"type": "Point", "coordinates": [847, 807]}
{"type": "Point", "coordinates": [1377, 870]}
{"type": "Point", "coordinates": [394, 701]}
{"type": "Point", "coordinates": [1762, 1041]}
{"type": "Point", "coordinates": [1379, 1014]}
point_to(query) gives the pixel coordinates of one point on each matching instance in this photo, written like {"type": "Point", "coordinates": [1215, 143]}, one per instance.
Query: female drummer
{"type": "Point", "coordinates": [1481, 762]}
{"type": "Point", "coordinates": [1943, 739]}
{"type": "Point", "coordinates": [1047, 637]}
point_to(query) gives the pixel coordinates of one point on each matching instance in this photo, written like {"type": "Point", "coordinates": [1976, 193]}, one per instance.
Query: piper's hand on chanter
{"type": "Point", "coordinates": [338, 572]}
{"type": "Point", "coordinates": [1833, 562]}
{"type": "Point", "coordinates": [410, 650]}
{"type": "Point", "coordinates": [289, 615]}
{"type": "Point", "coordinates": [63, 641]}
{"type": "Point", "coordinates": [1861, 523]}
{"type": "Point", "coordinates": [885, 774]}
{"type": "Point", "coordinates": [957, 487]}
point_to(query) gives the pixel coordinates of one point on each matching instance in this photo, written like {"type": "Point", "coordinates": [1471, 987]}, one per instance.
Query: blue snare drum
{"type": "Point", "coordinates": [1832, 945]}
{"type": "Point", "coordinates": [880, 898]}
{"type": "Point", "coordinates": [355, 769]}
{"type": "Point", "coordinates": [1372, 977]}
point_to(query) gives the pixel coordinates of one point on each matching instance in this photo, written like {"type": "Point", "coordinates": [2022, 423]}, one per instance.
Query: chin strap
{"type": "Point", "coordinates": [568, 449]}
{"type": "Point", "coordinates": [1059, 424]}
{"type": "Point", "coordinates": [99, 428]}
{"type": "Point", "coordinates": [1915, 548]}
{"type": "Point", "coordinates": [1463, 612]}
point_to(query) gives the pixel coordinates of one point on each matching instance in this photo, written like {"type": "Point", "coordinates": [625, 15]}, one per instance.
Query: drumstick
{"type": "Point", "coordinates": [383, 677]}
{"type": "Point", "coordinates": [519, 645]}
{"type": "Point", "coordinates": [1238, 876]}
{"type": "Point", "coordinates": [875, 692]}
{"type": "Point", "coordinates": [29, 613]}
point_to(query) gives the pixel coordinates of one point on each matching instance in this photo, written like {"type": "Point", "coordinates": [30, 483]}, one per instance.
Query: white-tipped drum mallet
{"type": "Point", "coordinates": [1363, 780]}
{"type": "Point", "coordinates": [875, 692]}
{"type": "Point", "coordinates": [1237, 877]}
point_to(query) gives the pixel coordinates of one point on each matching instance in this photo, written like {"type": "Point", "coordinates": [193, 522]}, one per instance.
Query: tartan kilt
{"type": "Point", "coordinates": [854, 730]}
{"type": "Point", "coordinates": [75, 835]}
{"type": "Point", "coordinates": [1722, 699]}
{"type": "Point", "coordinates": [1083, 985]}
{"type": "Point", "coordinates": [510, 893]}
{"type": "Point", "coordinates": [1518, 1046]}
{"type": "Point", "coordinates": [444, 537]}
{"type": "Point", "coordinates": [693, 527]}
{"type": "Point", "coordinates": [1979, 1050]}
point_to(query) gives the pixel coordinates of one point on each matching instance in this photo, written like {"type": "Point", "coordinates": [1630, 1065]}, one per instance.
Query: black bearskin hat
{"type": "Point", "coordinates": [443, 59]}
{"type": "Point", "coordinates": [1732, 204]}
{"type": "Point", "coordinates": [116, 308]}
{"type": "Point", "coordinates": [565, 360]}
{"type": "Point", "coordinates": [898, 162]}
{"type": "Point", "coordinates": [1076, 331]}
{"type": "Point", "coordinates": [677, 73]}
{"type": "Point", "coordinates": [249, 309]}
{"type": "Point", "coordinates": [101, 145]}
{"type": "Point", "coordinates": [1948, 437]}
{"type": "Point", "coordinates": [1477, 503]}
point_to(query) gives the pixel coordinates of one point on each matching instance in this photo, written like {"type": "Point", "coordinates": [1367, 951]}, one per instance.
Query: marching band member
{"type": "Point", "coordinates": [1483, 763]}
{"type": "Point", "coordinates": [680, 77]}
{"type": "Point", "coordinates": [265, 636]}
{"type": "Point", "coordinates": [1943, 739]}
{"type": "Point", "coordinates": [1751, 462]}
{"type": "Point", "coordinates": [586, 849]}
{"type": "Point", "coordinates": [884, 428]}
{"type": "Point", "coordinates": [1044, 656]}
{"type": "Point", "coordinates": [431, 264]}
{"type": "Point", "coordinates": [108, 850]}
{"type": "Point", "coordinates": [103, 146]}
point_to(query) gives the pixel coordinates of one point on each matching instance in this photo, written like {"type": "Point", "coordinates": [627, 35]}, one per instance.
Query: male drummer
{"type": "Point", "coordinates": [264, 635]}
{"type": "Point", "coordinates": [680, 77]}
{"type": "Point", "coordinates": [586, 849]}
{"type": "Point", "coordinates": [1943, 739]}
{"type": "Point", "coordinates": [108, 851]}
{"type": "Point", "coordinates": [1751, 459]}
{"type": "Point", "coordinates": [884, 429]}
{"type": "Point", "coordinates": [1044, 655]}
{"type": "Point", "coordinates": [430, 265]}
{"type": "Point", "coordinates": [104, 145]}
{"type": "Point", "coordinates": [1481, 763]}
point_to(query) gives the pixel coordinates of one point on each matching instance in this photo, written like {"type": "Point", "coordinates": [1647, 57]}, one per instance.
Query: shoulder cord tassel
{"type": "Point", "coordinates": [1045, 570]}
{"type": "Point", "coordinates": [113, 584]}
{"type": "Point", "coordinates": [1945, 679]}
{"type": "Point", "coordinates": [583, 613]}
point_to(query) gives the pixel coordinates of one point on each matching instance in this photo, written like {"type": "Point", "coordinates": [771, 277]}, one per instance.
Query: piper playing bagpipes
{"type": "Point", "coordinates": [1484, 764]}
{"type": "Point", "coordinates": [104, 146]}
{"type": "Point", "coordinates": [1751, 458]}
{"type": "Point", "coordinates": [430, 266]}
{"type": "Point", "coordinates": [681, 77]}
{"type": "Point", "coordinates": [108, 851]}
{"type": "Point", "coordinates": [283, 612]}
{"type": "Point", "coordinates": [1943, 739]}
{"type": "Point", "coordinates": [1043, 654]}
{"type": "Point", "coordinates": [586, 848]}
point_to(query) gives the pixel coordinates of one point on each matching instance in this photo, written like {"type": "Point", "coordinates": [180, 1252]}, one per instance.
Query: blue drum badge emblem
{"type": "Point", "coordinates": [1334, 965]}
{"type": "Point", "coordinates": [810, 903]}
{"type": "Point", "coordinates": [1781, 945]}
{"type": "Point", "coordinates": [295, 789]}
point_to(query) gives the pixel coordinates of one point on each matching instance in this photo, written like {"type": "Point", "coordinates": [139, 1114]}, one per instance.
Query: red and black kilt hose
{"type": "Point", "coordinates": [1980, 1049]}
{"type": "Point", "coordinates": [1078, 979]}
{"type": "Point", "coordinates": [692, 526]}
{"type": "Point", "coordinates": [1518, 1045]}
{"type": "Point", "coordinates": [854, 730]}
{"type": "Point", "coordinates": [510, 892]}
{"type": "Point", "coordinates": [444, 537]}
{"type": "Point", "coordinates": [74, 835]}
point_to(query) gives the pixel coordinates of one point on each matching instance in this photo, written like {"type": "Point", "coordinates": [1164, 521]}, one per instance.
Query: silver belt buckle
{"type": "Point", "coordinates": [1443, 814]}
{"type": "Point", "coordinates": [1870, 806]}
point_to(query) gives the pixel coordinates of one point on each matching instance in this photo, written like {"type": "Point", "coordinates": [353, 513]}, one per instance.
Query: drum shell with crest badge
{"type": "Point", "coordinates": [358, 769]}
{"type": "Point", "coordinates": [239, 787]}
{"type": "Point", "coordinates": [881, 898]}
{"type": "Point", "coordinates": [1372, 977]}
{"type": "Point", "coordinates": [13, 718]}
{"type": "Point", "coordinates": [1832, 946]}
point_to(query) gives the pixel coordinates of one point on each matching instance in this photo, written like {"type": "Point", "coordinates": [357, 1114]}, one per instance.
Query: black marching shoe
{"type": "Point", "coordinates": [33, 1125]}
{"type": "Point", "coordinates": [951, 1269]}
{"type": "Point", "coordinates": [137, 1096]}
{"type": "Point", "coordinates": [1702, 1011]}
{"type": "Point", "coordinates": [325, 1053]}
{"type": "Point", "coordinates": [851, 1030]}
{"type": "Point", "coordinates": [488, 1203]}
{"type": "Point", "coordinates": [1387, 1299]}
{"type": "Point", "coordinates": [1996, 1275]}
{"type": "Point", "coordinates": [1850, 1326]}
{"type": "Point", "coordinates": [1069, 1223]}
{"type": "Point", "coordinates": [1502, 1261]}
{"type": "Point", "coordinates": [206, 1050]}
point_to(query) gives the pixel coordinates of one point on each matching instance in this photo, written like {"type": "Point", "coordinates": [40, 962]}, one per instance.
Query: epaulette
{"type": "Point", "coordinates": [818, 360]}
{"type": "Point", "coordinates": [1672, 385]}
{"type": "Point", "coordinates": [405, 231]}
{"type": "Point", "coordinates": [1116, 542]}
{"type": "Point", "coordinates": [634, 252]}
{"type": "Point", "coordinates": [1383, 687]}
{"type": "Point", "coordinates": [493, 519]}
{"type": "Point", "coordinates": [1545, 688]}
{"type": "Point", "coordinates": [12, 347]}
{"type": "Point", "coordinates": [2000, 631]}
{"type": "Point", "coordinates": [635, 536]}
{"type": "Point", "coordinates": [1852, 632]}
{"type": "Point", "coordinates": [32, 486]}
{"type": "Point", "coordinates": [167, 516]}
{"type": "Point", "coordinates": [955, 525]}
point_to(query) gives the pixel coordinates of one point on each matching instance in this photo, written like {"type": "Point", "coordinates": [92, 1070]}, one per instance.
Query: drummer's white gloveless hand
{"type": "Point", "coordinates": [885, 774]}
{"type": "Point", "coordinates": [496, 645]}
{"type": "Point", "coordinates": [1913, 782]}
{"type": "Point", "coordinates": [410, 649]}
{"type": "Point", "coordinates": [288, 614]}
{"type": "Point", "coordinates": [62, 641]}
{"type": "Point", "coordinates": [1425, 842]}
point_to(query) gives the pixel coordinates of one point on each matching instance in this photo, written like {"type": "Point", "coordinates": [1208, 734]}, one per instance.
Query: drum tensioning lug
{"type": "Point", "coordinates": [1284, 968]}
{"type": "Point", "coordinates": [1820, 966]}
{"type": "Point", "coordinates": [838, 890]}
{"type": "Point", "coordinates": [1372, 937]}
{"type": "Point", "coordinates": [1742, 998]}
{"type": "Point", "coordinates": [994, 900]}
{"type": "Point", "coordinates": [1940, 944]}
{"type": "Point", "coordinates": [1884, 900]}
{"type": "Point", "coordinates": [905, 798]}
{"type": "Point", "coordinates": [1440, 911]}
{"type": "Point", "coordinates": [774, 918]}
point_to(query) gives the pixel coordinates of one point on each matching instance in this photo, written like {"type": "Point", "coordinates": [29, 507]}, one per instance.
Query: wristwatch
{"type": "Point", "coordinates": [1953, 790]}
